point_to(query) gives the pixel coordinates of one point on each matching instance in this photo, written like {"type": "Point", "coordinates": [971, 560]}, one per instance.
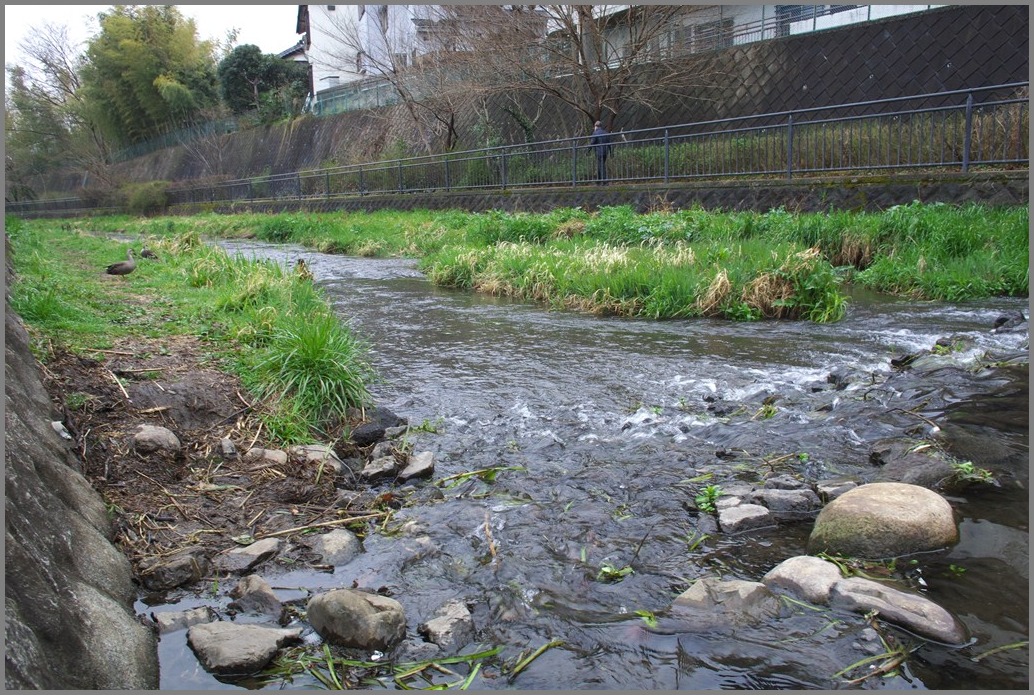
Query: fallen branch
{"type": "Point", "coordinates": [322, 524]}
{"type": "Point", "coordinates": [116, 380]}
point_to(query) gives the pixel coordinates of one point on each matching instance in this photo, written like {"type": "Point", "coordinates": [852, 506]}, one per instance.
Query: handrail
{"type": "Point", "coordinates": [962, 128]}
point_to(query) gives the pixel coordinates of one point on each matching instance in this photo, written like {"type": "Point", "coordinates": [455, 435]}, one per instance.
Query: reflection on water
{"type": "Point", "coordinates": [606, 420]}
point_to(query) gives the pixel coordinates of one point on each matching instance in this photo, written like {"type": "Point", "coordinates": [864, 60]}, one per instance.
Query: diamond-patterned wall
{"type": "Point", "coordinates": [957, 47]}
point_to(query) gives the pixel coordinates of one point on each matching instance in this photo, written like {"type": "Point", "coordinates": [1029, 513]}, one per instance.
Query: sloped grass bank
{"type": "Point", "coordinates": [669, 263]}
{"type": "Point", "coordinates": [304, 367]}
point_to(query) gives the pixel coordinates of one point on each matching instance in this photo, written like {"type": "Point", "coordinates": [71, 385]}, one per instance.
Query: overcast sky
{"type": "Point", "coordinates": [270, 27]}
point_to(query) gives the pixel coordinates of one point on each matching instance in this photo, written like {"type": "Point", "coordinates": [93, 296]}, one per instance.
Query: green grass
{"type": "Point", "coordinates": [665, 264]}
{"type": "Point", "coordinates": [277, 332]}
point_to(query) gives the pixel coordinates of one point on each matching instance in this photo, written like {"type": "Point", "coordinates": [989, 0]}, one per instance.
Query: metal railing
{"type": "Point", "coordinates": [955, 130]}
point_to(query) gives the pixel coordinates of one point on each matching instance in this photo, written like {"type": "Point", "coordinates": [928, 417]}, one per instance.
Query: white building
{"type": "Point", "coordinates": [351, 47]}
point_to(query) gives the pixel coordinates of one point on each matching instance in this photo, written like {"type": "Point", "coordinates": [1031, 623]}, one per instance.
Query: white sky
{"type": "Point", "coordinates": [270, 27]}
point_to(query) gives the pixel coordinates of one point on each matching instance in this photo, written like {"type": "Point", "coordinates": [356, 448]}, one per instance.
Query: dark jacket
{"type": "Point", "coordinates": [600, 139]}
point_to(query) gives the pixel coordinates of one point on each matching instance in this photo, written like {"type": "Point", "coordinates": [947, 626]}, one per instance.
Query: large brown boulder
{"type": "Point", "coordinates": [882, 520]}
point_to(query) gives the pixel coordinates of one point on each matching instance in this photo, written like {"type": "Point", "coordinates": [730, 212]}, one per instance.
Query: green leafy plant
{"type": "Point", "coordinates": [648, 617]}
{"type": "Point", "coordinates": [611, 573]}
{"type": "Point", "coordinates": [965, 472]}
{"type": "Point", "coordinates": [707, 497]}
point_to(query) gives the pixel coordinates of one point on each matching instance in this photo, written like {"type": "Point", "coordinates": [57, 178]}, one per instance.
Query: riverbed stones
{"type": "Point", "coordinates": [904, 460]}
{"type": "Point", "coordinates": [744, 517]}
{"type": "Point", "coordinates": [152, 438]}
{"type": "Point", "coordinates": [712, 601]}
{"type": "Point", "coordinates": [257, 454]}
{"type": "Point", "coordinates": [783, 500]}
{"type": "Point", "coordinates": [317, 455]}
{"type": "Point", "coordinates": [187, 567]}
{"type": "Point", "coordinates": [910, 611]}
{"type": "Point", "coordinates": [171, 621]}
{"type": "Point", "coordinates": [378, 420]}
{"type": "Point", "coordinates": [232, 649]}
{"type": "Point", "coordinates": [253, 594]}
{"type": "Point", "coordinates": [820, 582]}
{"type": "Point", "coordinates": [359, 619]}
{"type": "Point", "coordinates": [829, 490]}
{"type": "Point", "coordinates": [882, 520]}
{"type": "Point", "coordinates": [419, 466]}
{"type": "Point", "coordinates": [380, 469]}
{"type": "Point", "coordinates": [338, 547]}
{"type": "Point", "coordinates": [451, 628]}
{"type": "Point", "coordinates": [807, 577]}
{"type": "Point", "coordinates": [240, 560]}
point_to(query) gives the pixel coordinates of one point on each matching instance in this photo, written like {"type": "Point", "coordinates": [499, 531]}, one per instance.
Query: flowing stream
{"type": "Point", "coordinates": [602, 425]}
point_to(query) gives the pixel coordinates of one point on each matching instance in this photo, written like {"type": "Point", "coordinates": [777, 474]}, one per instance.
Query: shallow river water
{"type": "Point", "coordinates": [606, 426]}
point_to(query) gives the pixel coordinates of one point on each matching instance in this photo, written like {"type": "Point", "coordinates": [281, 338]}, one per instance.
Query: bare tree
{"type": "Point", "coordinates": [52, 71]}
{"type": "Point", "coordinates": [597, 59]}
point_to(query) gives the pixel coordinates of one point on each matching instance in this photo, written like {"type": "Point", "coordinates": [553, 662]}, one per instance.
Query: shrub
{"type": "Point", "coordinates": [147, 198]}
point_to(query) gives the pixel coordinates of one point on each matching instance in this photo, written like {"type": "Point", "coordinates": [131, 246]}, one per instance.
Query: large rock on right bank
{"type": "Point", "coordinates": [882, 520]}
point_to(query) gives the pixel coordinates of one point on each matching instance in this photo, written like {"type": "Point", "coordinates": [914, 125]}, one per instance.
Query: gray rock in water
{"type": "Point", "coordinates": [177, 570]}
{"type": "Point", "coordinates": [807, 577]}
{"type": "Point", "coordinates": [711, 602]}
{"type": "Point", "coordinates": [230, 649]}
{"type": "Point", "coordinates": [451, 628]}
{"type": "Point", "coordinates": [241, 560]}
{"type": "Point", "coordinates": [914, 613]}
{"type": "Point", "coordinates": [803, 500]}
{"type": "Point", "coordinates": [338, 547]}
{"type": "Point", "coordinates": [373, 430]}
{"type": "Point", "coordinates": [380, 469]}
{"type": "Point", "coordinates": [253, 594]}
{"type": "Point", "coordinates": [419, 466]}
{"type": "Point", "coordinates": [357, 619]}
{"type": "Point", "coordinates": [170, 621]}
{"type": "Point", "coordinates": [744, 517]}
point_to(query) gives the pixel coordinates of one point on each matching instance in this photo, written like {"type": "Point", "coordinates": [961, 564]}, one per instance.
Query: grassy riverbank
{"type": "Point", "coordinates": [668, 264]}
{"type": "Point", "coordinates": [258, 320]}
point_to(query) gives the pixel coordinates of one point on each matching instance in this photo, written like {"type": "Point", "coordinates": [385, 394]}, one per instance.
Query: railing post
{"type": "Point", "coordinates": [400, 175]}
{"type": "Point", "coordinates": [667, 156]}
{"type": "Point", "coordinates": [503, 170]}
{"type": "Point", "coordinates": [789, 147]}
{"type": "Point", "coordinates": [298, 184]}
{"type": "Point", "coordinates": [967, 141]}
{"type": "Point", "coordinates": [327, 184]}
{"type": "Point", "coordinates": [574, 162]}
{"type": "Point", "coordinates": [362, 181]}
{"type": "Point", "coordinates": [448, 178]}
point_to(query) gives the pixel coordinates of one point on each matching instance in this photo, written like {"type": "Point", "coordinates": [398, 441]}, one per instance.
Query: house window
{"type": "Point", "coordinates": [360, 63]}
{"type": "Point", "coordinates": [362, 11]}
{"type": "Point", "coordinates": [710, 36]}
{"type": "Point", "coordinates": [331, 8]}
{"type": "Point", "coordinates": [382, 17]}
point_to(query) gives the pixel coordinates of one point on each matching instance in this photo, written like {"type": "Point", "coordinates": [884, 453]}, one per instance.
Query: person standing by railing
{"type": "Point", "coordinates": [600, 142]}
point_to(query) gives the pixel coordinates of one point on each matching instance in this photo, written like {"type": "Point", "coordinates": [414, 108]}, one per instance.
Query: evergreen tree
{"type": "Point", "coordinates": [147, 73]}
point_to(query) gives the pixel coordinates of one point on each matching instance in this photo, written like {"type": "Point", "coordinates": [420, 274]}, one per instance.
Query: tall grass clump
{"type": "Point", "coordinates": [950, 253]}
{"type": "Point", "coordinates": [314, 364]}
